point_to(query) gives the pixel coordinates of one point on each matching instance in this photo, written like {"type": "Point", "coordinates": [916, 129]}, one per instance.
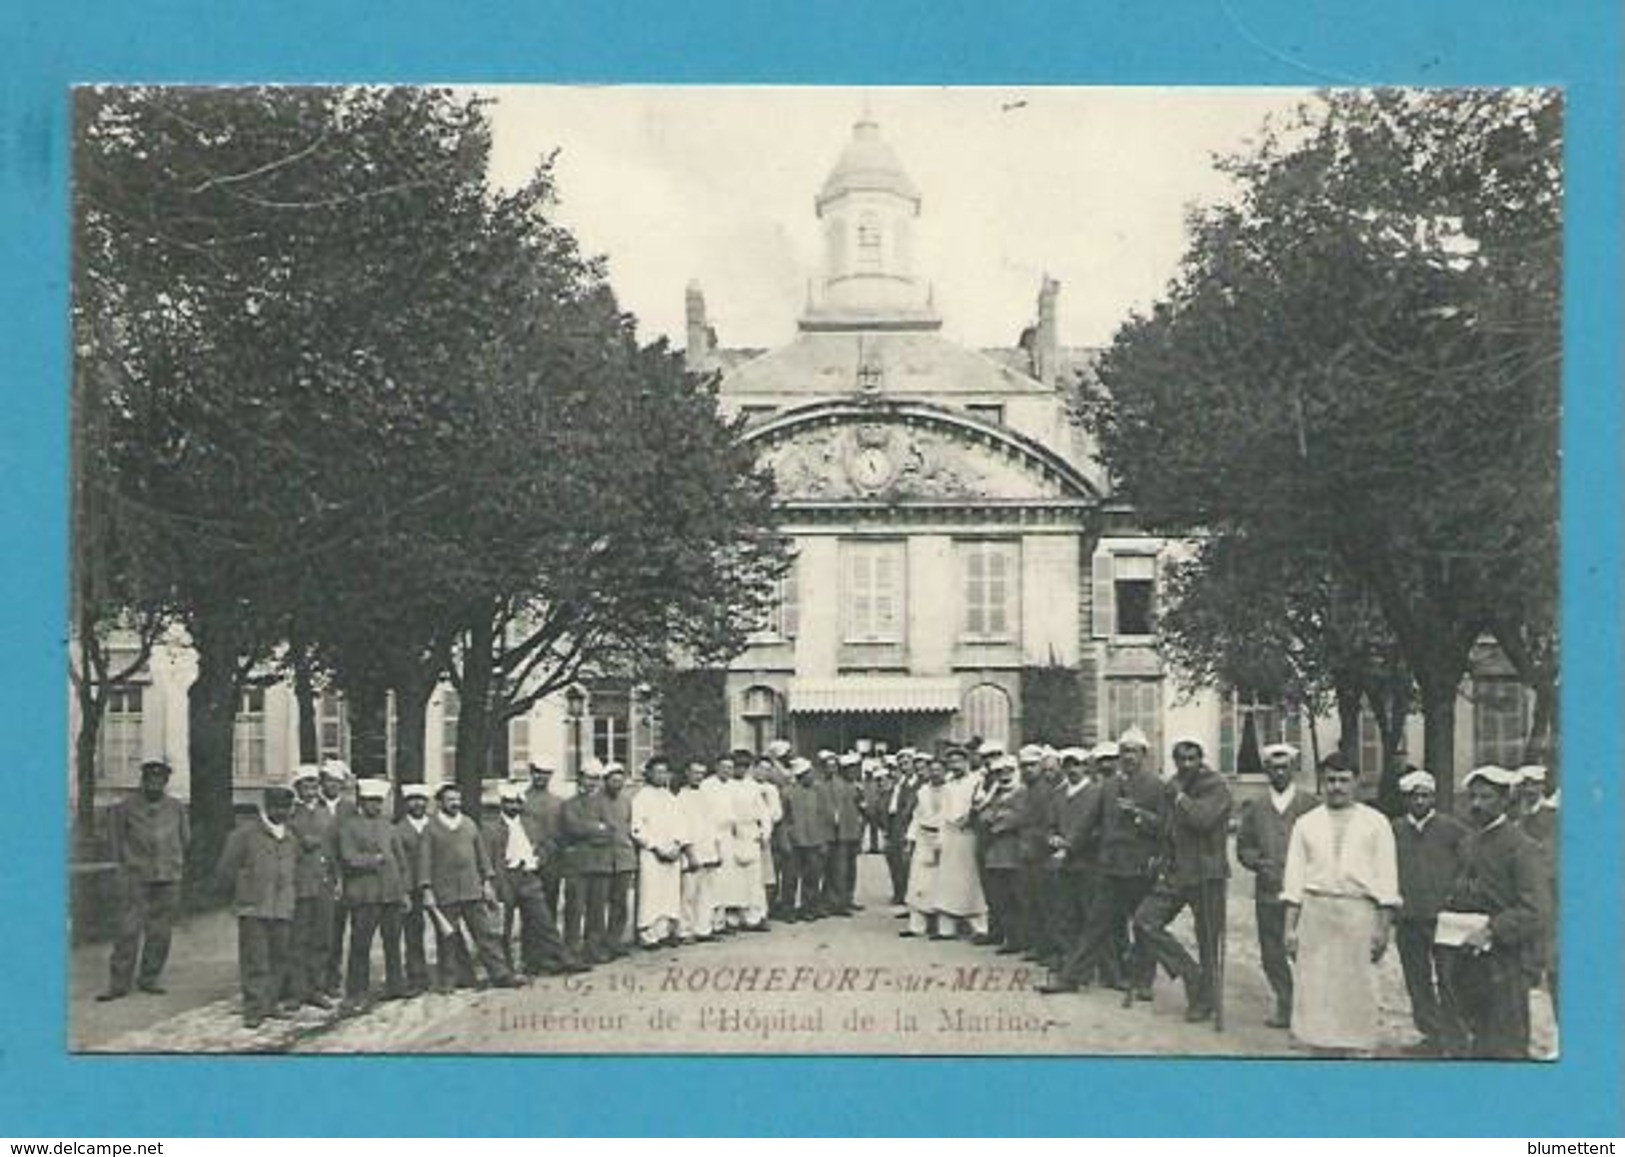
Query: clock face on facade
{"type": "Point", "coordinates": [870, 467]}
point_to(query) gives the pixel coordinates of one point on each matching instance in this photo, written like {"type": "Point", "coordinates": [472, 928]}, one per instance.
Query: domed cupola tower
{"type": "Point", "coordinates": [868, 207]}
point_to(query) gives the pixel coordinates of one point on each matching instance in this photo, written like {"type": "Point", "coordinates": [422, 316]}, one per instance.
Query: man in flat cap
{"type": "Point", "coordinates": [149, 835]}
{"type": "Point", "coordinates": [1428, 844]}
{"type": "Point", "coordinates": [1261, 843]}
{"type": "Point", "coordinates": [375, 875]}
{"type": "Point", "coordinates": [314, 826]}
{"type": "Point", "coordinates": [409, 830]}
{"type": "Point", "coordinates": [545, 806]}
{"type": "Point", "coordinates": [256, 869]}
{"type": "Point", "coordinates": [1498, 903]}
{"type": "Point", "coordinates": [1341, 890]}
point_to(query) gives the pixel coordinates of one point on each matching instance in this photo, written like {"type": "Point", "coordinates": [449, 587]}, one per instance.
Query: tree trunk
{"type": "Point", "coordinates": [1439, 737]}
{"type": "Point", "coordinates": [411, 712]}
{"type": "Point", "coordinates": [1542, 727]}
{"type": "Point", "coordinates": [368, 705]}
{"type": "Point", "coordinates": [474, 714]}
{"type": "Point", "coordinates": [304, 692]}
{"type": "Point", "coordinates": [87, 754]}
{"type": "Point", "coordinates": [211, 714]}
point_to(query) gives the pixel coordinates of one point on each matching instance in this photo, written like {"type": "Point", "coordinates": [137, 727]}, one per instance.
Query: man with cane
{"type": "Point", "coordinates": [1194, 872]}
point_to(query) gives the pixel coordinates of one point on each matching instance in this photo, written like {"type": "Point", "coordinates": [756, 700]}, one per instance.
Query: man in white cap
{"type": "Point", "coordinates": [897, 813]}
{"type": "Point", "coordinates": [517, 847]}
{"type": "Point", "coordinates": [1261, 843]}
{"type": "Point", "coordinates": [1428, 845]}
{"type": "Point", "coordinates": [414, 921]}
{"type": "Point", "coordinates": [544, 806]}
{"type": "Point", "coordinates": [1341, 890]}
{"type": "Point", "coordinates": [337, 798]}
{"type": "Point", "coordinates": [588, 827]}
{"type": "Point", "coordinates": [457, 887]}
{"type": "Point", "coordinates": [149, 834]}
{"type": "Point", "coordinates": [317, 913]}
{"type": "Point", "coordinates": [811, 826]}
{"type": "Point", "coordinates": [1500, 895]}
{"type": "Point", "coordinates": [1074, 841]}
{"type": "Point", "coordinates": [256, 870]}
{"type": "Point", "coordinates": [957, 893]}
{"type": "Point", "coordinates": [374, 872]}
{"type": "Point", "coordinates": [1001, 819]}
{"type": "Point", "coordinates": [1537, 819]}
{"type": "Point", "coordinates": [845, 804]}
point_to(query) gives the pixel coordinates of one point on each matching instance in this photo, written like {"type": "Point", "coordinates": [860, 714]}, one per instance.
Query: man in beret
{"type": "Point", "coordinates": [1499, 898]}
{"type": "Point", "coordinates": [149, 835]}
{"type": "Point", "coordinates": [1261, 843]}
{"type": "Point", "coordinates": [1429, 848]}
{"type": "Point", "coordinates": [256, 869]}
{"type": "Point", "coordinates": [414, 921]}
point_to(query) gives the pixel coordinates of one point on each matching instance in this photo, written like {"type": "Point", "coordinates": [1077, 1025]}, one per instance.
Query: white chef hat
{"type": "Point", "coordinates": [1417, 781]}
{"type": "Point", "coordinates": [1031, 753]}
{"type": "Point", "coordinates": [415, 791]}
{"type": "Point", "coordinates": [1134, 737]}
{"type": "Point", "coordinates": [1279, 751]}
{"type": "Point", "coordinates": [1492, 773]}
{"type": "Point", "coordinates": [511, 789]}
{"type": "Point", "coordinates": [1532, 773]}
{"type": "Point", "coordinates": [372, 788]}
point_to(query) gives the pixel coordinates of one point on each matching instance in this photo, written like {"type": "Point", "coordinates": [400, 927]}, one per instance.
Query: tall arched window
{"type": "Point", "coordinates": [987, 713]}
{"type": "Point", "coordinates": [763, 712]}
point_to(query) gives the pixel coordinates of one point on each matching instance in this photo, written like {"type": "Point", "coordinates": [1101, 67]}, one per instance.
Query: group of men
{"type": "Point", "coordinates": [1077, 859]}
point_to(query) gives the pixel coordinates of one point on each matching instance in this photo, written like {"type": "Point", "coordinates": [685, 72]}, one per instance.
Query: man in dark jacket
{"type": "Point", "coordinates": [1428, 848]}
{"type": "Point", "coordinates": [519, 849]}
{"type": "Point", "coordinates": [337, 797]}
{"type": "Point", "coordinates": [544, 808]}
{"type": "Point", "coordinates": [1486, 977]}
{"type": "Point", "coordinates": [314, 826]}
{"type": "Point", "coordinates": [842, 869]}
{"type": "Point", "coordinates": [256, 869]}
{"type": "Point", "coordinates": [1001, 819]}
{"type": "Point", "coordinates": [457, 888]}
{"type": "Point", "coordinates": [149, 835]}
{"type": "Point", "coordinates": [414, 920]}
{"type": "Point", "coordinates": [1261, 842]}
{"type": "Point", "coordinates": [587, 829]}
{"type": "Point", "coordinates": [1049, 782]}
{"type": "Point", "coordinates": [1195, 866]}
{"type": "Point", "coordinates": [897, 812]}
{"type": "Point", "coordinates": [623, 861]}
{"type": "Point", "coordinates": [1075, 844]}
{"type": "Point", "coordinates": [811, 827]}
{"type": "Point", "coordinates": [374, 872]}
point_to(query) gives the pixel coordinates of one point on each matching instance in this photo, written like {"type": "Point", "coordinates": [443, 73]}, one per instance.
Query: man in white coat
{"type": "Point", "coordinates": [657, 829]}
{"type": "Point", "coordinates": [1341, 890]}
{"type": "Point", "coordinates": [959, 894]}
{"type": "Point", "coordinates": [924, 841]}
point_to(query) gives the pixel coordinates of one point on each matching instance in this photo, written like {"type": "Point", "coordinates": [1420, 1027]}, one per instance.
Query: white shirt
{"type": "Point", "coordinates": [1281, 800]}
{"type": "Point", "coordinates": [450, 823]}
{"type": "Point", "coordinates": [521, 852]}
{"type": "Point", "coordinates": [1420, 824]}
{"type": "Point", "coordinates": [1347, 854]}
{"type": "Point", "coordinates": [418, 824]}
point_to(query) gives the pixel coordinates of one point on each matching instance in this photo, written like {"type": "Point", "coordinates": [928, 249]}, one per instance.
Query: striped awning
{"type": "Point", "coordinates": [874, 693]}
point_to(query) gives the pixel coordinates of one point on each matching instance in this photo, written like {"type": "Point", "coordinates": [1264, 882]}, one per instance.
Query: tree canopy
{"type": "Point", "coordinates": [1359, 362]}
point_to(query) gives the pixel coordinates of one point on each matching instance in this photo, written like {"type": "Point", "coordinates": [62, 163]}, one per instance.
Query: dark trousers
{"type": "Point", "coordinates": [1160, 908]}
{"type": "Point", "coordinates": [1423, 965]}
{"type": "Point", "coordinates": [808, 900]}
{"type": "Point", "coordinates": [618, 912]}
{"type": "Point", "coordinates": [1116, 900]}
{"type": "Point", "coordinates": [1006, 907]}
{"type": "Point", "coordinates": [1074, 894]}
{"type": "Point", "coordinates": [144, 930]}
{"type": "Point", "coordinates": [841, 876]}
{"type": "Point", "coordinates": [263, 951]}
{"type": "Point", "coordinates": [540, 946]}
{"type": "Point", "coordinates": [897, 866]}
{"type": "Point", "coordinates": [312, 934]}
{"type": "Point", "coordinates": [1489, 992]}
{"type": "Point", "coordinates": [586, 915]}
{"type": "Point", "coordinates": [1272, 951]}
{"type": "Point", "coordinates": [366, 920]}
{"type": "Point", "coordinates": [338, 919]}
{"type": "Point", "coordinates": [1039, 886]}
{"type": "Point", "coordinates": [784, 872]}
{"type": "Point", "coordinates": [451, 951]}
{"type": "Point", "coordinates": [414, 922]}
{"type": "Point", "coordinates": [874, 834]}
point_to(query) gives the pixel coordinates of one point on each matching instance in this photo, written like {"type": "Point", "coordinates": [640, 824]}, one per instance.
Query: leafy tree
{"type": "Point", "coordinates": [1359, 361]}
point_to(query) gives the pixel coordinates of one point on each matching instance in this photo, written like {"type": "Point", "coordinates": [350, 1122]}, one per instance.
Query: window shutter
{"type": "Point", "coordinates": [790, 604]}
{"type": "Point", "coordinates": [1103, 616]}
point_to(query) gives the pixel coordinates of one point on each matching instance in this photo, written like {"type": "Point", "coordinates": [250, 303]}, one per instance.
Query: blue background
{"type": "Point", "coordinates": [46, 47]}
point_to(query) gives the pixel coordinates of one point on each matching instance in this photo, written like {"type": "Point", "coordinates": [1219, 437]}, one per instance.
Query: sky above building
{"type": "Point", "coordinates": [716, 185]}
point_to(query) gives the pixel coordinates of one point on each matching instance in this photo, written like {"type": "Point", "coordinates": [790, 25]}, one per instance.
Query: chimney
{"type": "Point", "coordinates": [1046, 342]}
{"type": "Point", "coordinates": [701, 337]}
